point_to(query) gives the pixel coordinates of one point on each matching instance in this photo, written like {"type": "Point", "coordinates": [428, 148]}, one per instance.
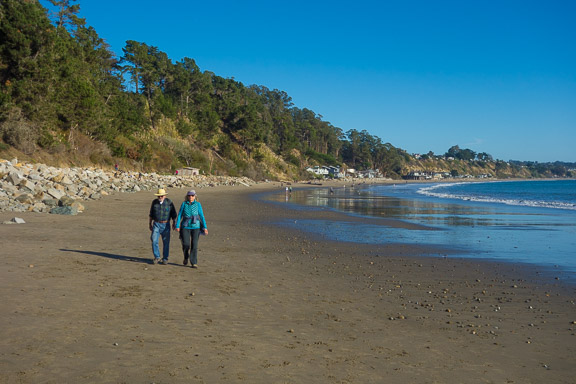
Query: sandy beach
{"type": "Point", "coordinates": [82, 303]}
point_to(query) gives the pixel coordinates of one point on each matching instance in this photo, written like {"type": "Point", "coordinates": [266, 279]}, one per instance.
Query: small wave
{"type": "Point", "coordinates": [431, 191]}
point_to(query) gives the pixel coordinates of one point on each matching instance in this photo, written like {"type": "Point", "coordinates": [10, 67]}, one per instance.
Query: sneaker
{"type": "Point", "coordinates": [155, 261]}
{"type": "Point", "coordinates": [185, 262]}
{"type": "Point", "coordinates": [194, 265]}
{"type": "Point", "coordinates": [164, 262]}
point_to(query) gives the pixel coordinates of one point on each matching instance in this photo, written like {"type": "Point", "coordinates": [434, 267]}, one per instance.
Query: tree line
{"type": "Point", "coordinates": [60, 82]}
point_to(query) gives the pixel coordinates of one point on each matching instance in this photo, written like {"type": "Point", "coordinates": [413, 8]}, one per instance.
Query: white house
{"type": "Point", "coordinates": [321, 171]}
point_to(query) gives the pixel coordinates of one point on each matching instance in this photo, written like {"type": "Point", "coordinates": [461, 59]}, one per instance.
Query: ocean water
{"type": "Point", "coordinates": [548, 194]}
{"type": "Point", "coordinates": [531, 222]}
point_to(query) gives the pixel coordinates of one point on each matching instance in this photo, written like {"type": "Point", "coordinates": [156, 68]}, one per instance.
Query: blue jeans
{"type": "Point", "coordinates": [161, 229]}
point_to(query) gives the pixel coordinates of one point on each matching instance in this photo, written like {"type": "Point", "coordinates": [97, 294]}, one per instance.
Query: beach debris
{"type": "Point", "coordinates": [15, 220]}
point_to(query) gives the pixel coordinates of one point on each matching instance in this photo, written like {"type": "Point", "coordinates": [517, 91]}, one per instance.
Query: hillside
{"type": "Point", "coordinates": [65, 99]}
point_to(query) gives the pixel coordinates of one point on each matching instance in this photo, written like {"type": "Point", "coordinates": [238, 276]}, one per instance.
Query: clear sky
{"type": "Point", "coordinates": [495, 76]}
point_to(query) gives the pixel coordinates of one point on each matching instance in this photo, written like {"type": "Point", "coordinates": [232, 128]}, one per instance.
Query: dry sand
{"type": "Point", "coordinates": [82, 303]}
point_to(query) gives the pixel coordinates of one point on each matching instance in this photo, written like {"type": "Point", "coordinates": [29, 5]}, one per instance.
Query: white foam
{"type": "Point", "coordinates": [430, 191]}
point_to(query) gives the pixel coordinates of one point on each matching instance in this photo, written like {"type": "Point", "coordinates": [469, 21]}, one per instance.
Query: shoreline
{"type": "Point", "coordinates": [537, 273]}
{"type": "Point", "coordinates": [82, 303]}
{"type": "Point", "coordinates": [381, 228]}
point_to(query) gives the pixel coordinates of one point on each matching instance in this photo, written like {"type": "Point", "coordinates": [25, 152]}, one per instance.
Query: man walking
{"type": "Point", "coordinates": [161, 212]}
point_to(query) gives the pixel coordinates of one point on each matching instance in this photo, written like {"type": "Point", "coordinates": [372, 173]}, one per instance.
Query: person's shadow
{"type": "Point", "coordinates": [112, 256]}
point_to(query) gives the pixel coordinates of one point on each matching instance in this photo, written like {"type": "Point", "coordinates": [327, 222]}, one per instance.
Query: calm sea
{"type": "Point", "coordinates": [532, 222]}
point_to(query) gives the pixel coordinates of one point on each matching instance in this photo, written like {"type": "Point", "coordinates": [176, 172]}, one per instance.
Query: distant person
{"type": "Point", "coordinates": [161, 212]}
{"type": "Point", "coordinates": [190, 223]}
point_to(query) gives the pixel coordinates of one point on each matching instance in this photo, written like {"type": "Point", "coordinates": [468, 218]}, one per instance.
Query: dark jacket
{"type": "Point", "coordinates": [162, 212]}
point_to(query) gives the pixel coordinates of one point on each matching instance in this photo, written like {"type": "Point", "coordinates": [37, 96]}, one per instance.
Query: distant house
{"type": "Point", "coordinates": [437, 175]}
{"type": "Point", "coordinates": [368, 174]}
{"type": "Point", "coordinates": [416, 175]}
{"type": "Point", "coordinates": [335, 172]}
{"type": "Point", "coordinates": [320, 171]}
{"type": "Point", "coordinates": [188, 171]}
{"type": "Point", "coordinates": [330, 171]}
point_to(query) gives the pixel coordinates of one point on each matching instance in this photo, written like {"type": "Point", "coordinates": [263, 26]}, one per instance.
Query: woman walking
{"type": "Point", "coordinates": [190, 223]}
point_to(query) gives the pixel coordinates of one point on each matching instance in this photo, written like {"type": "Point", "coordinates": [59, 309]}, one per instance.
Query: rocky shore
{"type": "Point", "coordinates": [28, 187]}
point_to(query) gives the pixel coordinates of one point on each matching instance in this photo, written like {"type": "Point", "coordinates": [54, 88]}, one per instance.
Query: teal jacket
{"type": "Point", "coordinates": [191, 216]}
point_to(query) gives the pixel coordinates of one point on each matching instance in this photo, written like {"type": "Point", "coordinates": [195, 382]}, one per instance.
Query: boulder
{"type": "Point", "coordinates": [27, 184]}
{"type": "Point", "coordinates": [55, 193]}
{"type": "Point", "coordinates": [50, 202]}
{"type": "Point", "coordinates": [14, 178]}
{"type": "Point", "coordinates": [64, 211]}
{"type": "Point", "coordinates": [58, 178]}
{"type": "Point", "coordinates": [78, 206]}
{"type": "Point", "coordinates": [25, 198]}
{"type": "Point", "coordinates": [66, 201]}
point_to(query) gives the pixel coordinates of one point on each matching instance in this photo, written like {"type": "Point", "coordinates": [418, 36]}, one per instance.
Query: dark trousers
{"type": "Point", "coordinates": [190, 239]}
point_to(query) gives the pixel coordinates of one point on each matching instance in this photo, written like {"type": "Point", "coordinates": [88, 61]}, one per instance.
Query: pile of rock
{"type": "Point", "coordinates": [41, 188]}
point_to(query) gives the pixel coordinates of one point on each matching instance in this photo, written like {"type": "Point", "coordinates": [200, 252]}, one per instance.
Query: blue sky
{"type": "Point", "coordinates": [493, 76]}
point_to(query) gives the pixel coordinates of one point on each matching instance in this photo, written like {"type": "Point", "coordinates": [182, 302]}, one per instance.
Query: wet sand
{"type": "Point", "coordinates": [82, 303]}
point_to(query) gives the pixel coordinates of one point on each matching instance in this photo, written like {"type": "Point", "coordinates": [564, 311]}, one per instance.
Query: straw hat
{"type": "Point", "coordinates": [161, 192]}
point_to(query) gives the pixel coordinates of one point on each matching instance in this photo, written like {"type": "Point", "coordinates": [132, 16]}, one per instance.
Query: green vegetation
{"type": "Point", "coordinates": [65, 97]}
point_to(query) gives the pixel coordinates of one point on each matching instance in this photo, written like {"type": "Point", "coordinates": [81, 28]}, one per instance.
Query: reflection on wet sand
{"type": "Point", "coordinates": [515, 234]}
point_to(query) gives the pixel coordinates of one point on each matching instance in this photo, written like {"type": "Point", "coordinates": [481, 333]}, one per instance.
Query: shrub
{"type": "Point", "coordinates": [20, 134]}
